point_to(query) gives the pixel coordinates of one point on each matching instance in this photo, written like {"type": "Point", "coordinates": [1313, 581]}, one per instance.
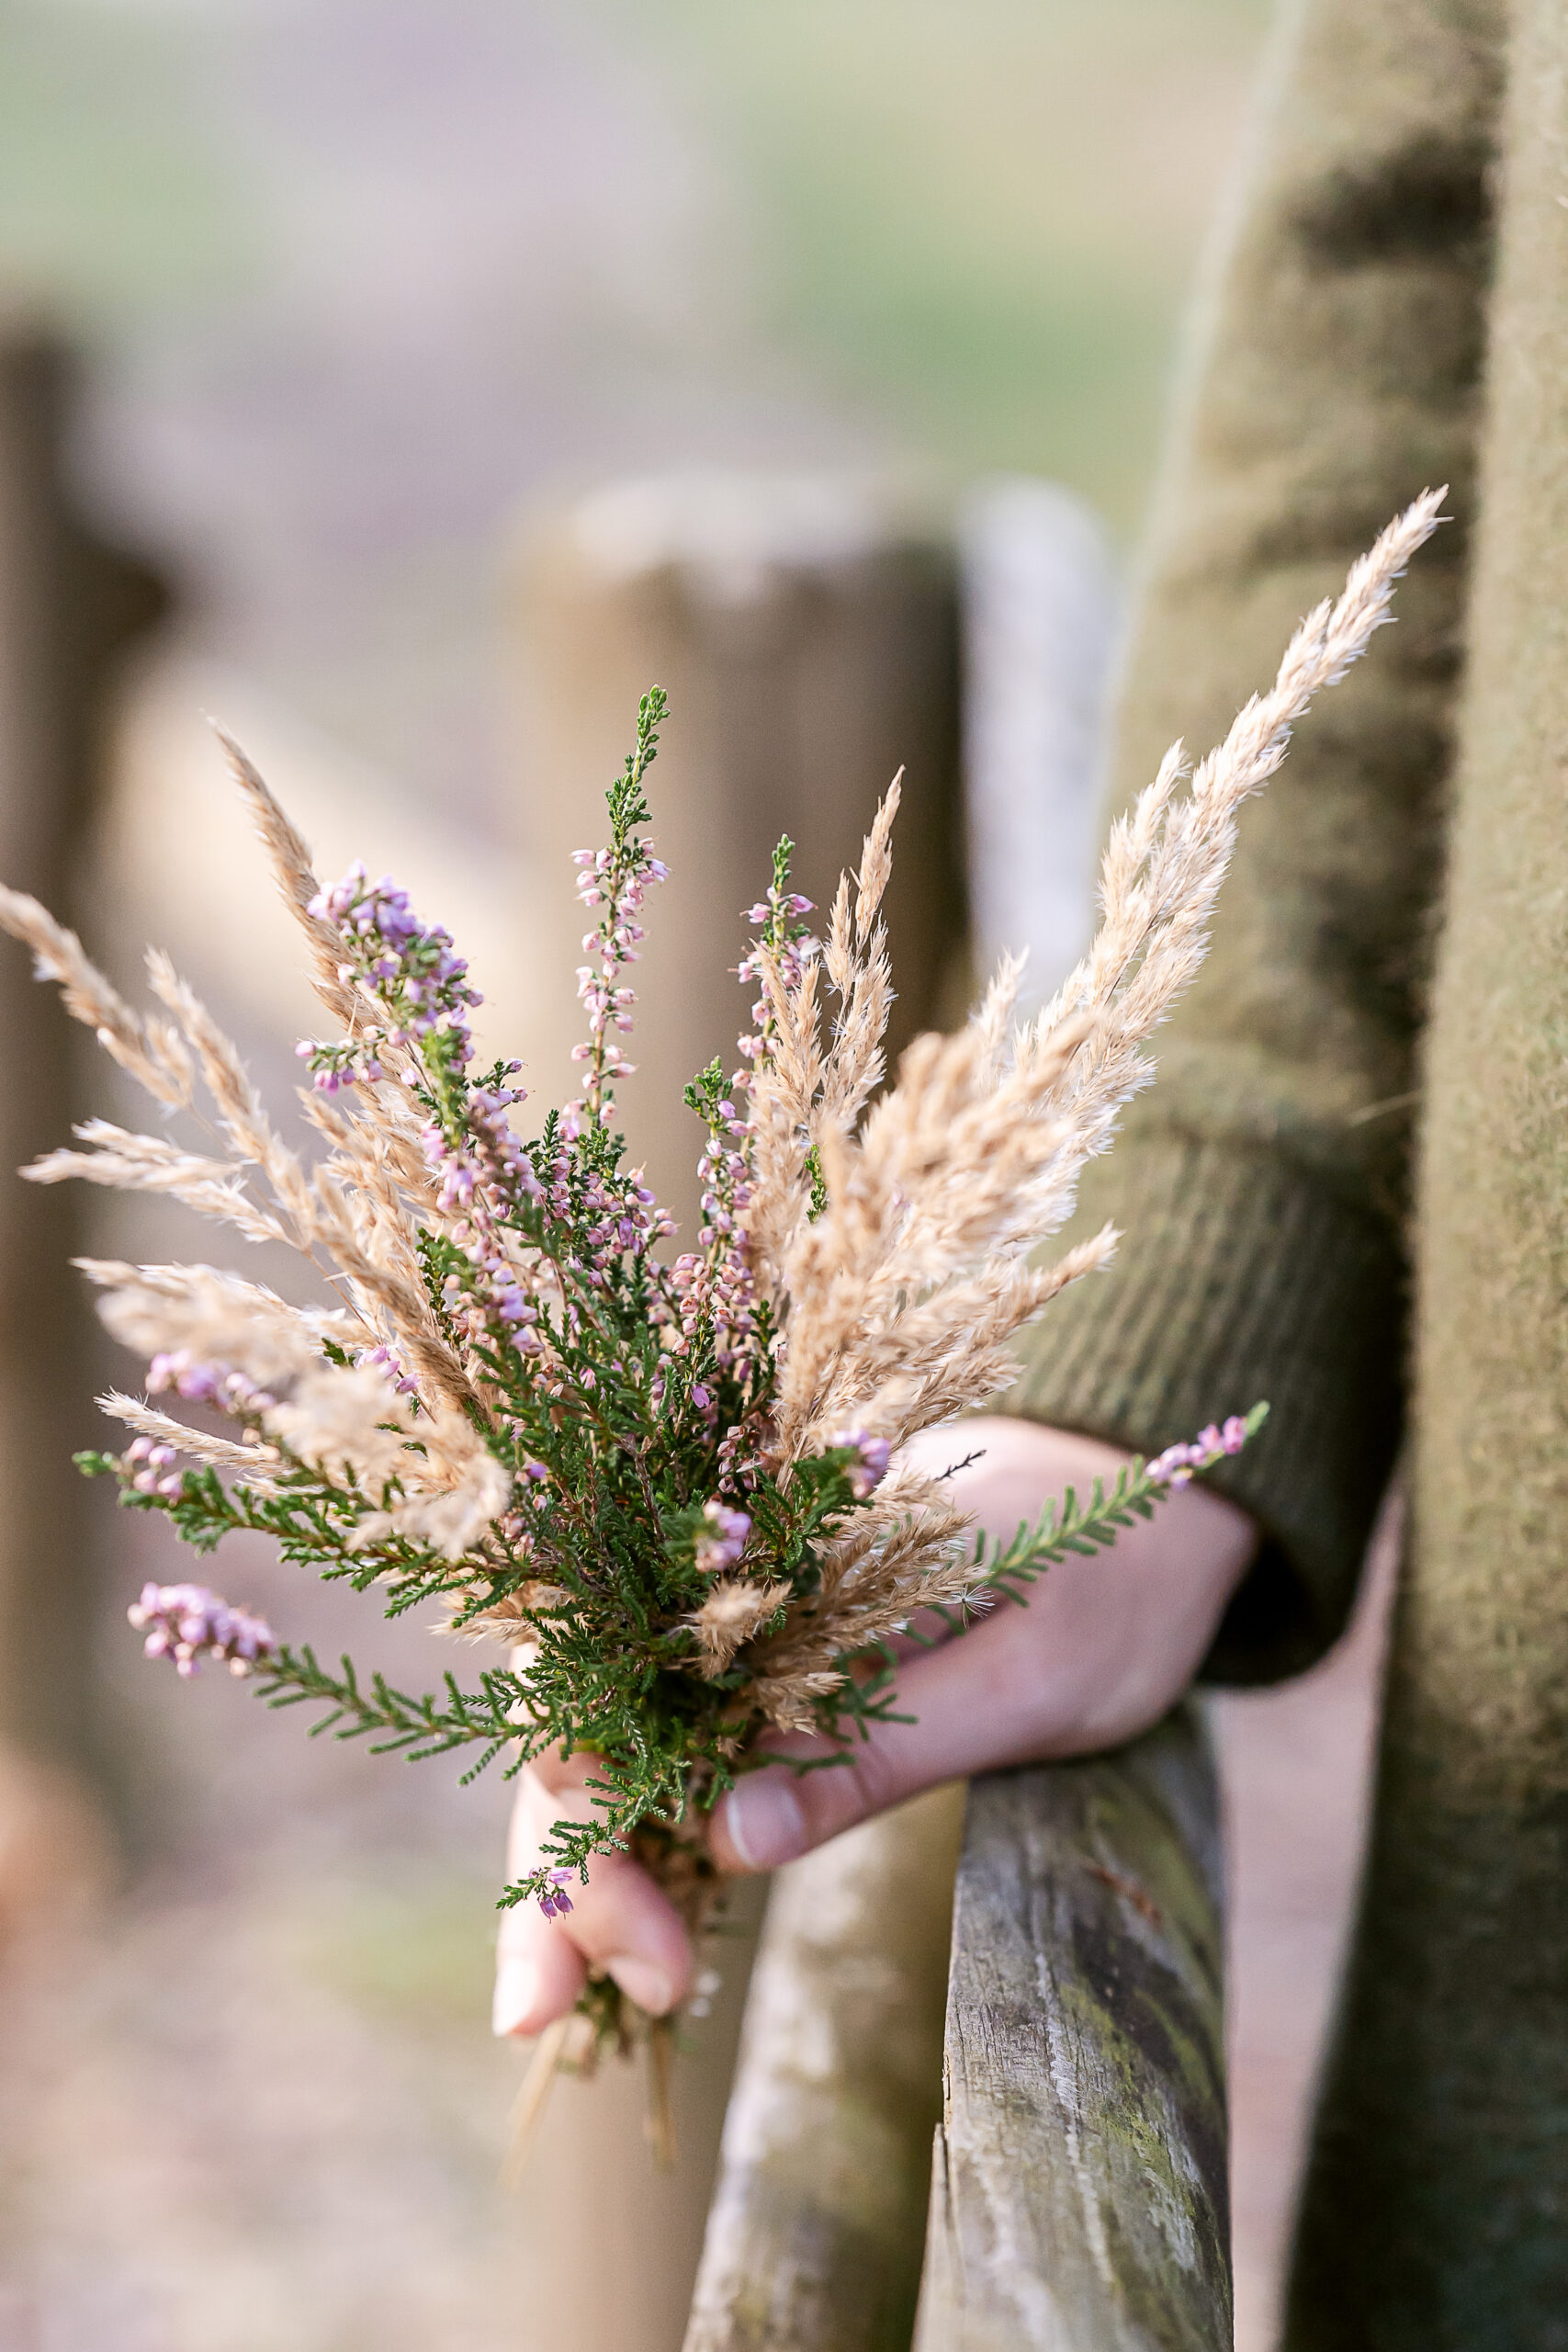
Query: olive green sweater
{"type": "Point", "coordinates": [1392, 312]}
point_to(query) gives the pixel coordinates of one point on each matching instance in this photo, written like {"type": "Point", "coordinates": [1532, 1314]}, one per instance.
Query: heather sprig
{"type": "Point", "coordinates": [614, 882]}
{"type": "Point", "coordinates": [413, 984]}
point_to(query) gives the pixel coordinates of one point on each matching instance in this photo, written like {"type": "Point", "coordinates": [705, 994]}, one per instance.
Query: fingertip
{"type": "Point", "coordinates": [516, 1996]}
{"type": "Point", "coordinates": [646, 1981]}
{"type": "Point", "coordinates": [537, 1979]}
{"type": "Point", "coordinates": [761, 1823]}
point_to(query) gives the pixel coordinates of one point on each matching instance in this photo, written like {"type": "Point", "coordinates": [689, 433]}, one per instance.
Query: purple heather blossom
{"type": "Point", "coordinates": [201, 1383]}
{"type": "Point", "coordinates": [778, 904]}
{"type": "Point", "coordinates": [188, 1622]}
{"type": "Point", "coordinates": [555, 1900]}
{"type": "Point", "coordinates": [723, 1540]}
{"type": "Point", "coordinates": [154, 1472]}
{"type": "Point", "coordinates": [409, 969]}
{"type": "Point", "coordinates": [490, 1159]}
{"type": "Point", "coordinates": [714, 1286]}
{"type": "Point", "coordinates": [1177, 1464]}
{"type": "Point", "coordinates": [392, 1365]}
{"type": "Point", "coordinates": [788, 943]}
{"type": "Point", "coordinates": [615, 880]}
{"type": "Point", "coordinates": [179, 1370]}
{"type": "Point", "coordinates": [869, 1467]}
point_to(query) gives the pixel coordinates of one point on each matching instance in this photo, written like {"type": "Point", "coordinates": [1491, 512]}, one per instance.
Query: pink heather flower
{"type": "Point", "coordinates": [392, 1365]}
{"type": "Point", "coordinates": [555, 1898]}
{"type": "Point", "coordinates": [617, 880]}
{"type": "Point", "coordinates": [205, 1383]}
{"type": "Point", "coordinates": [154, 1472]}
{"type": "Point", "coordinates": [779, 906]}
{"type": "Point", "coordinates": [409, 966]}
{"type": "Point", "coordinates": [1177, 1464]}
{"type": "Point", "coordinates": [869, 1468]}
{"type": "Point", "coordinates": [722, 1547]}
{"type": "Point", "coordinates": [178, 1370]}
{"type": "Point", "coordinates": [188, 1622]}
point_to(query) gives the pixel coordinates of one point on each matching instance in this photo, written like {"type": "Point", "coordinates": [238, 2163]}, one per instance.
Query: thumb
{"type": "Point", "coordinates": [777, 1811]}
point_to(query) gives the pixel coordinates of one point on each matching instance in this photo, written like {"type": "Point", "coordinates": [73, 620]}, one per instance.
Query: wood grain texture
{"type": "Point", "coordinates": [814, 2239]}
{"type": "Point", "coordinates": [1078, 2194]}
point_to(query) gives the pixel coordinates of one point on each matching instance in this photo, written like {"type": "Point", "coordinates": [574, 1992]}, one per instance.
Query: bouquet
{"type": "Point", "coordinates": [663, 1485]}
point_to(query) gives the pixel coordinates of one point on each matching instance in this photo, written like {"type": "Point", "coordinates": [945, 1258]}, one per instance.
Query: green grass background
{"type": "Point", "coordinates": [973, 221]}
{"type": "Point", "coordinates": [983, 215]}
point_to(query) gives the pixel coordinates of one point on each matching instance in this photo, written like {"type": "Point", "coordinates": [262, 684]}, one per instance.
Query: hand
{"type": "Point", "coordinates": [1104, 1647]}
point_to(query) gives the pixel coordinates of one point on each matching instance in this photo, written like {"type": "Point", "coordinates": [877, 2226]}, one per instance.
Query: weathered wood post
{"type": "Point", "coordinates": [1039, 602]}
{"type": "Point", "coordinates": [1078, 2194]}
{"type": "Point", "coordinates": [814, 2240]}
{"type": "Point", "coordinates": [67, 605]}
{"type": "Point", "coordinates": [806, 630]}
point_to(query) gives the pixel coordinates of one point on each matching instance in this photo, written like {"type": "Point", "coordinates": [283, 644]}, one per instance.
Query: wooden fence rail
{"type": "Point", "coordinates": [1079, 2192]}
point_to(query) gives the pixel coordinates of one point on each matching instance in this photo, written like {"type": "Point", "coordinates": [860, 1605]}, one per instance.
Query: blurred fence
{"type": "Point", "coordinates": [1039, 598]}
{"type": "Point", "coordinates": [69, 606]}
{"type": "Point", "coordinates": [805, 629]}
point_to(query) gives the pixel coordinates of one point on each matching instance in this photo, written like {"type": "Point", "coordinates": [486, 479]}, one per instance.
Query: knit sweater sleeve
{"type": "Point", "coordinates": [1260, 1182]}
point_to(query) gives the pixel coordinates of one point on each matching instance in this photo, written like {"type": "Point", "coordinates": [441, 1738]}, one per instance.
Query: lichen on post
{"type": "Point", "coordinates": [1078, 2196]}
{"type": "Point", "coordinates": [814, 2240]}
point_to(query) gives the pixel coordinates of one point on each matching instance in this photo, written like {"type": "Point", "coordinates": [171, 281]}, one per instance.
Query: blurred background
{"type": "Point", "coordinates": [406, 383]}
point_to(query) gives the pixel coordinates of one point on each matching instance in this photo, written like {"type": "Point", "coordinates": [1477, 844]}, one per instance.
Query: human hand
{"type": "Point", "coordinates": [1103, 1650]}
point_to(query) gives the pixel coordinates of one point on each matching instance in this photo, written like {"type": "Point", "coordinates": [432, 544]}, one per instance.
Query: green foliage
{"type": "Point", "coordinates": [626, 799]}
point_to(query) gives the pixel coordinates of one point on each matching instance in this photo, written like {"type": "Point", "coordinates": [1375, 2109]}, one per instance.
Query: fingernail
{"type": "Point", "coordinates": [643, 1982]}
{"type": "Point", "coordinates": [517, 1990]}
{"type": "Point", "coordinates": [763, 1821]}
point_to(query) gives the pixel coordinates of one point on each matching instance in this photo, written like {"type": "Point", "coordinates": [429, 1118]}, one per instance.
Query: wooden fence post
{"type": "Point", "coordinates": [1079, 2192]}
{"type": "Point", "coordinates": [67, 606]}
{"type": "Point", "coordinates": [814, 2238]}
{"type": "Point", "coordinates": [806, 631]}
{"type": "Point", "coordinates": [1040, 598]}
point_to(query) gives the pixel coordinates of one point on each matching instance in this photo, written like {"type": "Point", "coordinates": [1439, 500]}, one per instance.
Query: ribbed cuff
{"type": "Point", "coordinates": [1239, 1279]}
